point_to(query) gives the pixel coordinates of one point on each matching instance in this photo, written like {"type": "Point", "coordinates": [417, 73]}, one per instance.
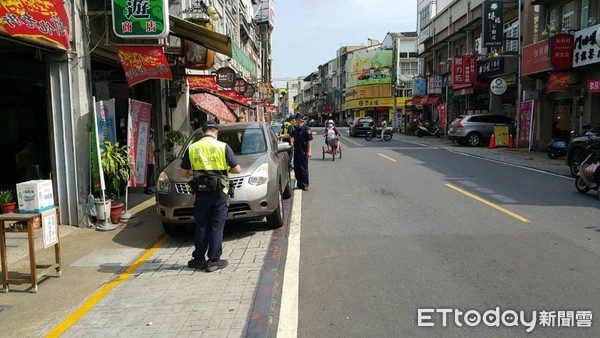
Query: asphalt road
{"type": "Point", "coordinates": [394, 227]}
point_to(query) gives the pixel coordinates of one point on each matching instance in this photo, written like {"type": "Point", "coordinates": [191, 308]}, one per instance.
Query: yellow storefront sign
{"type": "Point", "coordinates": [374, 102]}
{"type": "Point", "coordinates": [501, 136]}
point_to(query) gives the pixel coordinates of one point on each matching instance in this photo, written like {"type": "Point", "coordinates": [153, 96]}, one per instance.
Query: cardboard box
{"type": "Point", "coordinates": [35, 196]}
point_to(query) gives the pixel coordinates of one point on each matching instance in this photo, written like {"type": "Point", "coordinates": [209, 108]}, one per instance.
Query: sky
{"type": "Point", "coordinates": [308, 33]}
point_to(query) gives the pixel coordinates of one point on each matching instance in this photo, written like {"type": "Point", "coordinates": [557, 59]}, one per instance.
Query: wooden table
{"type": "Point", "coordinates": [33, 221]}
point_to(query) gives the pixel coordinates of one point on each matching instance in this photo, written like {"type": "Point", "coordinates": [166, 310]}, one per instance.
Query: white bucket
{"type": "Point", "coordinates": [100, 214]}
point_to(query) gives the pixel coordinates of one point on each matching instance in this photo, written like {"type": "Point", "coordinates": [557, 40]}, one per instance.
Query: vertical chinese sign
{"type": "Point", "coordinates": [493, 23]}
{"type": "Point", "coordinates": [525, 123]}
{"type": "Point", "coordinates": [143, 63]}
{"type": "Point", "coordinates": [442, 112]}
{"type": "Point", "coordinates": [463, 71]}
{"type": "Point", "coordinates": [140, 18]}
{"type": "Point", "coordinates": [138, 134]}
{"type": "Point", "coordinates": [36, 20]}
{"type": "Point", "coordinates": [106, 121]}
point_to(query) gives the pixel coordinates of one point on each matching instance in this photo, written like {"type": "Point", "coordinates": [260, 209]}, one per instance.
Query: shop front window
{"type": "Point", "coordinates": [562, 122]}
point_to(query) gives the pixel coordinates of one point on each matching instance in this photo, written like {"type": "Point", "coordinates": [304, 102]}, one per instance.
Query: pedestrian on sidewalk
{"type": "Point", "coordinates": [209, 161]}
{"type": "Point", "coordinates": [286, 134]}
{"type": "Point", "coordinates": [302, 151]}
{"type": "Point", "coordinates": [151, 164]}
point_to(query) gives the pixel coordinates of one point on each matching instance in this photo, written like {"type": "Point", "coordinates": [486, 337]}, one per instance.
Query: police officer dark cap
{"type": "Point", "coordinates": [210, 124]}
{"type": "Point", "coordinates": [299, 116]}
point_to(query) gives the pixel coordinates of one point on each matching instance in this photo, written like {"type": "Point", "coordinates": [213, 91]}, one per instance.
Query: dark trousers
{"type": "Point", "coordinates": [150, 182]}
{"type": "Point", "coordinates": [301, 169]}
{"type": "Point", "coordinates": [210, 213]}
{"type": "Point", "coordinates": [290, 158]}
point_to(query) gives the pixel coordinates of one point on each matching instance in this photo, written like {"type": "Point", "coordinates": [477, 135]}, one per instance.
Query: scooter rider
{"type": "Point", "coordinates": [383, 126]}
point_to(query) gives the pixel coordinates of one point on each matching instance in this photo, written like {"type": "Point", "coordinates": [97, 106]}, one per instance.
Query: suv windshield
{"type": "Point", "coordinates": [242, 141]}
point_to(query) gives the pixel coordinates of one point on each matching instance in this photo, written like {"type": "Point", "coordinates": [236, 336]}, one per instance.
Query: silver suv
{"type": "Point", "coordinates": [258, 190]}
{"type": "Point", "coordinates": [473, 130]}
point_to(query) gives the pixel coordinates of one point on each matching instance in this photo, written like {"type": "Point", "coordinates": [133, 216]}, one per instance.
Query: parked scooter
{"type": "Point", "coordinates": [585, 179]}
{"type": "Point", "coordinates": [387, 134]}
{"type": "Point", "coordinates": [426, 130]}
{"type": "Point", "coordinates": [557, 148]}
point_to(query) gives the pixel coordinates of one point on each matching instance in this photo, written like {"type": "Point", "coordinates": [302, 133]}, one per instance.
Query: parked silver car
{"type": "Point", "coordinates": [259, 189]}
{"type": "Point", "coordinates": [476, 129]}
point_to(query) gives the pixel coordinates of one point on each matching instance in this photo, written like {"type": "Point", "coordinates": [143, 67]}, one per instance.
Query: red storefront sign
{"type": "Point", "coordinates": [535, 58]}
{"type": "Point", "coordinates": [143, 63]}
{"type": "Point", "coordinates": [202, 81]}
{"type": "Point", "coordinates": [464, 73]}
{"type": "Point", "coordinates": [593, 86]}
{"type": "Point", "coordinates": [561, 51]}
{"type": "Point", "coordinates": [558, 82]}
{"type": "Point", "coordinates": [44, 19]}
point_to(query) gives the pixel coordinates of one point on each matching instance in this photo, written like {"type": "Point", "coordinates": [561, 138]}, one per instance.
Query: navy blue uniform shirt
{"type": "Point", "coordinates": [301, 136]}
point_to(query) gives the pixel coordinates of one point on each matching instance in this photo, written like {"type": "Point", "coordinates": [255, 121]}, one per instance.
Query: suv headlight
{"type": "Point", "coordinates": [260, 175]}
{"type": "Point", "coordinates": [163, 185]}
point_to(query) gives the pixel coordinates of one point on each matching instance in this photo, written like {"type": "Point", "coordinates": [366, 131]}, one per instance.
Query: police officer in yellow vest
{"type": "Point", "coordinates": [209, 161]}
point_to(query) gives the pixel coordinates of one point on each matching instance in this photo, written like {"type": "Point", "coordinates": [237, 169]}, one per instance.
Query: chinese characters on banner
{"type": "Point", "coordinates": [435, 84]}
{"type": "Point", "coordinates": [593, 86]}
{"type": "Point", "coordinates": [441, 110]}
{"type": "Point", "coordinates": [202, 81]}
{"type": "Point", "coordinates": [138, 134]}
{"type": "Point", "coordinates": [463, 72]}
{"type": "Point", "coordinates": [493, 23]}
{"type": "Point", "coordinates": [525, 123]}
{"type": "Point", "coordinates": [140, 18]}
{"type": "Point", "coordinates": [561, 51]}
{"type": "Point", "coordinates": [106, 121]}
{"type": "Point", "coordinates": [34, 20]}
{"type": "Point", "coordinates": [143, 63]}
{"type": "Point", "coordinates": [558, 82]}
{"type": "Point", "coordinates": [587, 48]}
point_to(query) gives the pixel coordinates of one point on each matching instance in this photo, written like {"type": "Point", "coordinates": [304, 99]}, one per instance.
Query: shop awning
{"type": "Point", "coordinates": [205, 37]}
{"type": "Point", "coordinates": [212, 105]}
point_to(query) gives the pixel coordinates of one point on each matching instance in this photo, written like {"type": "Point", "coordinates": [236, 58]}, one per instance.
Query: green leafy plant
{"type": "Point", "coordinates": [115, 164]}
{"type": "Point", "coordinates": [173, 138]}
{"type": "Point", "coordinates": [6, 196]}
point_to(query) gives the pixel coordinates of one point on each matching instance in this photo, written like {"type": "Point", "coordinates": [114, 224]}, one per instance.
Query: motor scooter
{"type": "Point", "coordinates": [585, 180]}
{"type": "Point", "coordinates": [557, 148]}
{"type": "Point", "coordinates": [376, 132]}
{"type": "Point", "coordinates": [425, 130]}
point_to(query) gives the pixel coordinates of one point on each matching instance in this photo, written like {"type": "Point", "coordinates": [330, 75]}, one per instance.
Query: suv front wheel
{"type": "Point", "coordinates": [474, 139]}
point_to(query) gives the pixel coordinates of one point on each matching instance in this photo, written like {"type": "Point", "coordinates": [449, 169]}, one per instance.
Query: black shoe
{"type": "Point", "coordinates": [148, 192]}
{"type": "Point", "coordinates": [214, 266]}
{"type": "Point", "coordinates": [196, 264]}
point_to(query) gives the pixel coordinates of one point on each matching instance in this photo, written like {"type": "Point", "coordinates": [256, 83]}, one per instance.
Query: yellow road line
{"type": "Point", "coordinates": [486, 202]}
{"type": "Point", "coordinates": [96, 297]}
{"type": "Point", "coordinates": [389, 158]}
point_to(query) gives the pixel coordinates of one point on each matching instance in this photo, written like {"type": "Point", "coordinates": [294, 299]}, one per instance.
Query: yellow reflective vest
{"type": "Point", "coordinates": [209, 156]}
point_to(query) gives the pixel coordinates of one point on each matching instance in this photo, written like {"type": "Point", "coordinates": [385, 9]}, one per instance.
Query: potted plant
{"type": "Point", "coordinates": [173, 138]}
{"type": "Point", "coordinates": [115, 164]}
{"type": "Point", "coordinates": [7, 201]}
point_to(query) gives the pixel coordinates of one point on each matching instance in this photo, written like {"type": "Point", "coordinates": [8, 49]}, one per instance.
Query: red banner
{"type": "Point", "coordinates": [202, 81]}
{"type": "Point", "coordinates": [441, 110]}
{"type": "Point", "coordinates": [558, 82]}
{"type": "Point", "coordinates": [44, 19]}
{"type": "Point", "coordinates": [561, 51]}
{"type": "Point", "coordinates": [464, 73]}
{"type": "Point", "coordinates": [525, 123]}
{"type": "Point", "coordinates": [535, 58]}
{"type": "Point", "coordinates": [138, 133]}
{"type": "Point", "coordinates": [143, 63]}
{"type": "Point", "coordinates": [234, 96]}
{"type": "Point", "coordinates": [593, 86]}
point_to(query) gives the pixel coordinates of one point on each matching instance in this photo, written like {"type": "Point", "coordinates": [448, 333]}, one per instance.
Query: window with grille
{"type": "Point", "coordinates": [568, 15]}
{"type": "Point", "coordinates": [409, 68]}
{"type": "Point", "coordinates": [511, 36]}
{"type": "Point", "coordinates": [424, 17]}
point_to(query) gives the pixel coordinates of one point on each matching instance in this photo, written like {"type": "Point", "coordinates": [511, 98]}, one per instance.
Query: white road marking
{"type": "Point", "coordinates": [288, 312]}
{"type": "Point", "coordinates": [511, 164]}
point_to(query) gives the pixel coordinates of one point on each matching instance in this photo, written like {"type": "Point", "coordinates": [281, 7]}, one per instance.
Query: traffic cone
{"type": "Point", "coordinates": [493, 142]}
{"type": "Point", "coordinates": [511, 141]}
